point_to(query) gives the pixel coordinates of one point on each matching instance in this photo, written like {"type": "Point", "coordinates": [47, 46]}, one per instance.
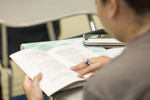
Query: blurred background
{"type": "Point", "coordinates": [69, 27]}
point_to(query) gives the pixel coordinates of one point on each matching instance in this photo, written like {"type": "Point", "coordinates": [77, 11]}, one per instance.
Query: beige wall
{"type": "Point", "coordinates": [76, 25]}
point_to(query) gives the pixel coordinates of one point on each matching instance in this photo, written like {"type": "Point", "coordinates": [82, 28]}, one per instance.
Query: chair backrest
{"type": "Point", "coordinates": [23, 13]}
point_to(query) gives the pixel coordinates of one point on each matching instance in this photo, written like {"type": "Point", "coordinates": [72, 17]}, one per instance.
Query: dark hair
{"type": "Point", "coordinates": [139, 6]}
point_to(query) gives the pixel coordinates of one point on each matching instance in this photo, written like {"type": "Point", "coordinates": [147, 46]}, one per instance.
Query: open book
{"type": "Point", "coordinates": [54, 65]}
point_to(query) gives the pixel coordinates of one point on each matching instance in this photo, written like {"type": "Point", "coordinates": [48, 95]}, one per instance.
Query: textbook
{"type": "Point", "coordinates": [54, 65]}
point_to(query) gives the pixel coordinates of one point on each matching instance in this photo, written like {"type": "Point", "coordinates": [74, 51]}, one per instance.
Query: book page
{"type": "Point", "coordinates": [72, 55]}
{"type": "Point", "coordinates": [55, 74]}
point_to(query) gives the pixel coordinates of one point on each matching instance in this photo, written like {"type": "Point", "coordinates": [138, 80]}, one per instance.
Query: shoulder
{"type": "Point", "coordinates": [127, 75]}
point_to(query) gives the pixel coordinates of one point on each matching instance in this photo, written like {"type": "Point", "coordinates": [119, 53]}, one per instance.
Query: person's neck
{"type": "Point", "coordinates": [136, 30]}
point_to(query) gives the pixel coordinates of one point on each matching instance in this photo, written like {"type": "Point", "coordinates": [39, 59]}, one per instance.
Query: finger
{"type": "Point", "coordinates": [83, 64]}
{"type": "Point", "coordinates": [92, 60]}
{"type": "Point", "coordinates": [37, 79]}
{"type": "Point", "coordinates": [89, 69]}
{"type": "Point", "coordinates": [80, 66]}
{"type": "Point", "coordinates": [27, 80]}
{"type": "Point", "coordinates": [95, 59]}
{"type": "Point", "coordinates": [26, 83]}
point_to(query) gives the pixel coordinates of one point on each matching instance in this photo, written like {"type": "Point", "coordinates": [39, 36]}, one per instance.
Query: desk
{"type": "Point", "coordinates": [73, 94]}
{"type": "Point", "coordinates": [47, 45]}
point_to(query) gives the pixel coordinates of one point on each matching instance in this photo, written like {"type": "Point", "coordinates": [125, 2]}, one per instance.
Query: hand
{"type": "Point", "coordinates": [32, 88]}
{"type": "Point", "coordinates": [97, 62]}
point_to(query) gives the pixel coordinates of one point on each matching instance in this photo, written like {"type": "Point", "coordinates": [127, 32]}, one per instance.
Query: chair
{"type": "Point", "coordinates": [18, 13]}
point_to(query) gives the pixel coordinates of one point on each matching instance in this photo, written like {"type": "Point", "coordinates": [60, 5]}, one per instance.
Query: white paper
{"type": "Point", "coordinates": [114, 52]}
{"type": "Point", "coordinates": [54, 65]}
{"type": "Point", "coordinates": [55, 74]}
{"type": "Point", "coordinates": [73, 54]}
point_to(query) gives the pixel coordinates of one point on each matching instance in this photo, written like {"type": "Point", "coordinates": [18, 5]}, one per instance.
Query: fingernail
{"type": "Point", "coordinates": [79, 75]}
{"type": "Point", "coordinates": [71, 67]}
{"type": "Point", "coordinates": [40, 74]}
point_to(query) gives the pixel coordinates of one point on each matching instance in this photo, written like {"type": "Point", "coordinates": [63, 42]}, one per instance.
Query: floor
{"type": "Point", "coordinates": [71, 26]}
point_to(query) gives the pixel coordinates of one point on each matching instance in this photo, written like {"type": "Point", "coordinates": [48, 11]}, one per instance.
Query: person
{"type": "Point", "coordinates": [125, 77]}
{"type": "Point", "coordinates": [17, 36]}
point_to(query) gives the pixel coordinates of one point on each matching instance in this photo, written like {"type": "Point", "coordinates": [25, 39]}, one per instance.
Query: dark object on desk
{"type": "Point", "coordinates": [100, 39]}
{"type": "Point", "coordinates": [96, 36]}
{"type": "Point", "coordinates": [101, 31]}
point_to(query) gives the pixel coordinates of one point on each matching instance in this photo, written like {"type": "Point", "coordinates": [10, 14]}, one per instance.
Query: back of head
{"type": "Point", "coordinates": [139, 6]}
{"type": "Point", "coordinates": [131, 16]}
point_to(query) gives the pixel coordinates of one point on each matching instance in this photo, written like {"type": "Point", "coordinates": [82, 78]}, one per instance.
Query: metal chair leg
{"type": "Point", "coordinates": [10, 79]}
{"type": "Point", "coordinates": [5, 57]}
{"type": "Point", "coordinates": [51, 31]}
{"type": "Point", "coordinates": [91, 22]}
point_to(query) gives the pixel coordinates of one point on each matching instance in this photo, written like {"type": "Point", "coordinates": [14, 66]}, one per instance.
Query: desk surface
{"type": "Point", "coordinates": [23, 13]}
{"type": "Point", "coordinates": [47, 45]}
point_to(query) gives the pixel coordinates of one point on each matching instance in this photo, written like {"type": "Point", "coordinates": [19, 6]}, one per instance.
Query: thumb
{"type": "Point", "coordinates": [37, 79]}
{"type": "Point", "coordinates": [39, 76]}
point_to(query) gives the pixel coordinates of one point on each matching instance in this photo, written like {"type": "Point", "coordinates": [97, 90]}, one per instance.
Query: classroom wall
{"type": "Point", "coordinates": [77, 25]}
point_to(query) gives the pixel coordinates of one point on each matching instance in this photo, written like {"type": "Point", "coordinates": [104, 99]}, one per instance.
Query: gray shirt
{"type": "Point", "coordinates": [126, 77]}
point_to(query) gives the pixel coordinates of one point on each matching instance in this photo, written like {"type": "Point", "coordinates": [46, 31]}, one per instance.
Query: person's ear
{"type": "Point", "coordinates": [113, 8]}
